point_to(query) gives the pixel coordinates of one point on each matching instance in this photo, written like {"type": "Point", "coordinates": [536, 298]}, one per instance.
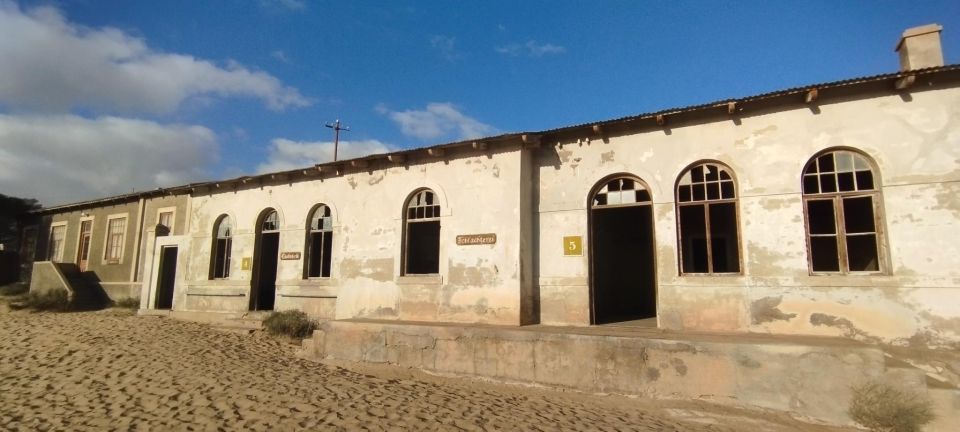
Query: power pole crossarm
{"type": "Point", "coordinates": [336, 135]}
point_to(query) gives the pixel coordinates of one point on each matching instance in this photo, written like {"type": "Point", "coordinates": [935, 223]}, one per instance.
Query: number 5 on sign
{"type": "Point", "coordinates": [573, 246]}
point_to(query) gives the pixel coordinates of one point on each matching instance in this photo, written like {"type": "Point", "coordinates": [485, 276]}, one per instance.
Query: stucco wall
{"type": "Point", "coordinates": [106, 272]}
{"type": "Point", "coordinates": [913, 138]}
{"type": "Point", "coordinates": [478, 193]}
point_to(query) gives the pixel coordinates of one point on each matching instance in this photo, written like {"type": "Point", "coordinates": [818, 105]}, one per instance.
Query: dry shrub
{"type": "Point", "coordinates": [14, 289]}
{"type": "Point", "coordinates": [292, 323]}
{"type": "Point", "coordinates": [53, 300]}
{"type": "Point", "coordinates": [127, 303]}
{"type": "Point", "coordinates": [884, 408]}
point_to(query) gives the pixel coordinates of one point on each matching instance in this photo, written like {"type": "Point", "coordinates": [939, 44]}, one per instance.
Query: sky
{"type": "Point", "coordinates": [104, 97]}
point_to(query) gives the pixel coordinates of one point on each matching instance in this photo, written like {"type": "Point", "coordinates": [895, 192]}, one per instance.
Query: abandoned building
{"type": "Point", "coordinates": [825, 210]}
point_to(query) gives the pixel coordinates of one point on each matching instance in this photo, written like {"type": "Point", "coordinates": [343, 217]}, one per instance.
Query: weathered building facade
{"type": "Point", "coordinates": [829, 209]}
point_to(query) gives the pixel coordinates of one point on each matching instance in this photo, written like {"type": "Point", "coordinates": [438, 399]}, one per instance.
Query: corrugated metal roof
{"type": "Point", "coordinates": [509, 136]}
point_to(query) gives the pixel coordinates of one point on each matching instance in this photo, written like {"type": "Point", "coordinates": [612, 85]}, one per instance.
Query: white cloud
{"type": "Point", "coordinates": [446, 46]}
{"type": "Point", "coordinates": [67, 158]}
{"type": "Point", "coordinates": [438, 120]}
{"type": "Point", "coordinates": [280, 55]}
{"type": "Point", "coordinates": [287, 154]}
{"type": "Point", "coordinates": [530, 49]}
{"type": "Point", "coordinates": [294, 5]}
{"type": "Point", "coordinates": [50, 64]}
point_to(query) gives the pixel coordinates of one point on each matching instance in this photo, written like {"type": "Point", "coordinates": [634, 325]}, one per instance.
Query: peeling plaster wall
{"type": "Point", "coordinates": [478, 193]}
{"type": "Point", "coordinates": [915, 141]}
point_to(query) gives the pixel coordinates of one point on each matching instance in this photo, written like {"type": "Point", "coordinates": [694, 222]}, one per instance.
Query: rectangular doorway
{"type": "Point", "coordinates": [166, 277]}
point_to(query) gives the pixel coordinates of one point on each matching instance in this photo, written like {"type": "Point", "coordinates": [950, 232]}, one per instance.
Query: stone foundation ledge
{"type": "Point", "coordinates": [810, 377]}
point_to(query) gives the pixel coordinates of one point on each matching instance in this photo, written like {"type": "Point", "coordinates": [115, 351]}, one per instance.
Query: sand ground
{"type": "Point", "coordinates": [113, 370]}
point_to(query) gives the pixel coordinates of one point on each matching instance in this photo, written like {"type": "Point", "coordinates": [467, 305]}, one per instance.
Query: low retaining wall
{"type": "Point", "coordinates": [811, 379]}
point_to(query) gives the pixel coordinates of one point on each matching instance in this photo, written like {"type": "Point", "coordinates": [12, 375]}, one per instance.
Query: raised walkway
{"type": "Point", "coordinates": [808, 376]}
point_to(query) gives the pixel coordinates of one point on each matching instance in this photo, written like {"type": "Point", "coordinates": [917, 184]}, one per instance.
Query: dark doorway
{"type": "Point", "coordinates": [166, 278]}
{"type": "Point", "coordinates": [266, 253]}
{"type": "Point", "coordinates": [622, 261]}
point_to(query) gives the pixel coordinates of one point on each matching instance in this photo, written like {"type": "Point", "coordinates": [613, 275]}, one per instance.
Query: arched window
{"type": "Point", "coordinates": [841, 196]}
{"type": "Point", "coordinates": [421, 235]}
{"type": "Point", "coordinates": [319, 242]}
{"type": "Point", "coordinates": [270, 223]}
{"type": "Point", "coordinates": [222, 241]}
{"type": "Point", "coordinates": [708, 230]}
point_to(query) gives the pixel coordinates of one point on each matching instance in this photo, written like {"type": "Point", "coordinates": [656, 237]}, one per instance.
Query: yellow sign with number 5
{"type": "Point", "coordinates": [573, 246]}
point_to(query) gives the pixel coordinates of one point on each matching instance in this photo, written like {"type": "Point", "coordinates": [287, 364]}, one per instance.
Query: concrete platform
{"type": "Point", "coordinates": [807, 376]}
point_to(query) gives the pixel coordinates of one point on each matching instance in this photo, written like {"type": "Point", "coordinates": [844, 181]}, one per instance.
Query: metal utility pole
{"type": "Point", "coordinates": [336, 135]}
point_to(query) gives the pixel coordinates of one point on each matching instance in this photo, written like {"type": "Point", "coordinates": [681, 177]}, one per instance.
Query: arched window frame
{"type": "Point", "coordinates": [222, 248]}
{"type": "Point", "coordinates": [823, 181]}
{"type": "Point", "coordinates": [319, 231]}
{"type": "Point", "coordinates": [421, 207]}
{"type": "Point", "coordinates": [710, 194]}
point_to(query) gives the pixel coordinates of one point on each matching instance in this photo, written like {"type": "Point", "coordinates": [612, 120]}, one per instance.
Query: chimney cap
{"type": "Point", "coordinates": [917, 31]}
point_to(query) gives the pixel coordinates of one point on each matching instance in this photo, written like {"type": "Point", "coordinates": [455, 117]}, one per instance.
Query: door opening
{"type": "Point", "coordinates": [622, 261]}
{"type": "Point", "coordinates": [166, 278]}
{"type": "Point", "coordinates": [266, 254]}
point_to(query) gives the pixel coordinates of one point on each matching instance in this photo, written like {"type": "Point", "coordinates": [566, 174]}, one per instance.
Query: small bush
{"type": "Point", "coordinates": [14, 289]}
{"type": "Point", "coordinates": [292, 323]}
{"type": "Point", "coordinates": [882, 407]}
{"type": "Point", "coordinates": [127, 303]}
{"type": "Point", "coordinates": [54, 300]}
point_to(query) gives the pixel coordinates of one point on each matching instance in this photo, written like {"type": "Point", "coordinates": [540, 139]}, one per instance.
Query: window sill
{"type": "Point", "coordinates": [427, 279]}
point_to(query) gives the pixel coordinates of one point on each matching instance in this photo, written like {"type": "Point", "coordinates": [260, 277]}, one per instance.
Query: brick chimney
{"type": "Point", "coordinates": [919, 47]}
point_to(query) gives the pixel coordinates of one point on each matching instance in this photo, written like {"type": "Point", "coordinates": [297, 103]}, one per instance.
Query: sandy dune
{"type": "Point", "coordinates": [110, 370]}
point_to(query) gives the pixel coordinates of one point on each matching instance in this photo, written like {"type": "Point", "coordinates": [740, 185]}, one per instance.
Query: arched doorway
{"type": "Point", "coordinates": [265, 255]}
{"type": "Point", "coordinates": [623, 281]}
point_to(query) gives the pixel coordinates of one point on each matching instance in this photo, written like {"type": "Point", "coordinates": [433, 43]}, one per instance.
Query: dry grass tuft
{"type": "Point", "coordinates": [127, 303]}
{"type": "Point", "coordinates": [292, 323]}
{"type": "Point", "coordinates": [14, 289]}
{"type": "Point", "coordinates": [884, 408]}
{"type": "Point", "coordinates": [53, 301]}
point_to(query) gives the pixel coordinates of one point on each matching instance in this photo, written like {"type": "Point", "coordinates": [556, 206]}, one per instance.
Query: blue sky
{"type": "Point", "coordinates": [158, 93]}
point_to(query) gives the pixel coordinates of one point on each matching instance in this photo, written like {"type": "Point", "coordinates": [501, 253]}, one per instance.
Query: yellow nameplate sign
{"type": "Point", "coordinates": [573, 246]}
{"type": "Point", "coordinates": [245, 263]}
{"type": "Point", "coordinates": [476, 239]}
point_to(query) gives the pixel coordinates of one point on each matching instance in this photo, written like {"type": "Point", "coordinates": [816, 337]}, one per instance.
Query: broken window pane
{"type": "Point", "coordinates": [712, 174]}
{"type": "Point", "coordinates": [851, 233]}
{"type": "Point", "coordinates": [327, 254]}
{"type": "Point", "coordinates": [864, 180]}
{"type": "Point", "coordinates": [270, 222]}
{"type": "Point", "coordinates": [727, 190]}
{"type": "Point", "coordinates": [845, 182]}
{"type": "Point", "coordinates": [828, 183]}
{"type": "Point", "coordinates": [699, 192]}
{"type": "Point", "coordinates": [858, 215]}
{"type": "Point", "coordinates": [810, 184]}
{"type": "Point", "coordinates": [824, 255]}
{"type": "Point", "coordinates": [723, 238]}
{"type": "Point", "coordinates": [693, 238]}
{"type": "Point", "coordinates": [820, 217]}
{"type": "Point", "coordinates": [643, 196]}
{"type": "Point", "coordinates": [315, 255]}
{"type": "Point", "coordinates": [423, 247]}
{"type": "Point", "coordinates": [713, 191]}
{"type": "Point", "coordinates": [826, 163]}
{"type": "Point", "coordinates": [697, 173]}
{"type": "Point", "coordinates": [862, 252]}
